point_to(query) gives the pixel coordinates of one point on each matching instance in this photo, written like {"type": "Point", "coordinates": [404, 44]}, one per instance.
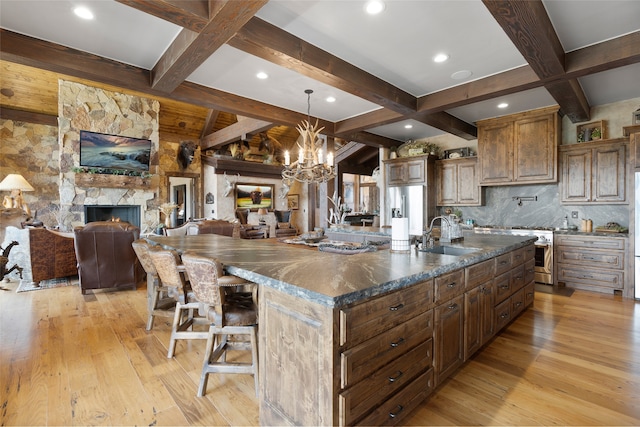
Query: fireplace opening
{"type": "Point", "coordinates": [128, 213]}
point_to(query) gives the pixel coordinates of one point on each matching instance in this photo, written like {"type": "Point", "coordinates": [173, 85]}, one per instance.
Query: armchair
{"type": "Point", "coordinates": [248, 231]}
{"type": "Point", "coordinates": [106, 258]}
{"type": "Point", "coordinates": [284, 228]}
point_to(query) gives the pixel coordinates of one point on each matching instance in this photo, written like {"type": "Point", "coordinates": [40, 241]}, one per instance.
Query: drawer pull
{"type": "Point", "coordinates": [396, 378]}
{"type": "Point", "coordinates": [504, 315]}
{"type": "Point", "coordinates": [529, 294]}
{"type": "Point", "coordinates": [451, 285]}
{"type": "Point", "coordinates": [518, 304]}
{"type": "Point", "coordinates": [453, 306]}
{"type": "Point", "coordinates": [396, 307]}
{"type": "Point", "coordinates": [504, 286]}
{"type": "Point", "coordinates": [590, 258]}
{"type": "Point", "coordinates": [518, 277]}
{"type": "Point", "coordinates": [397, 343]}
{"type": "Point", "coordinates": [503, 262]}
{"type": "Point", "coordinates": [395, 414]}
{"type": "Point", "coordinates": [586, 276]}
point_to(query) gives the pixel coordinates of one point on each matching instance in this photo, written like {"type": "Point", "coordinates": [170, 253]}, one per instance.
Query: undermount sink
{"type": "Point", "coordinates": [450, 250]}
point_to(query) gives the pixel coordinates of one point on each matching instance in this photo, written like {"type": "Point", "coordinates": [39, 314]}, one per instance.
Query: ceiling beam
{"type": "Point", "coordinates": [528, 26]}
{"type": "Point", "coordinates": [349, 149]}
{"type": "Point", "coordinates": [192, 14]}
{"type": "Point", "coordinates": [234, 133]}
{"type": "Point", "coordinates": [209, 123]}
{"type": "Point", "coordinates": [190, 49]}
{"type": "Point", "coordinates": [271, 43]}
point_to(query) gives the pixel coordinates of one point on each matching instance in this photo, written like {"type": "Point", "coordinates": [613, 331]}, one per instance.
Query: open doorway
{"type": "Point", "coordinates": [182, 192]}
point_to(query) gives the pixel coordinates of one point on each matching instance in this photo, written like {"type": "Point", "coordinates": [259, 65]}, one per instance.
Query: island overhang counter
{"type": "Point", "coordinates": [335, 328]}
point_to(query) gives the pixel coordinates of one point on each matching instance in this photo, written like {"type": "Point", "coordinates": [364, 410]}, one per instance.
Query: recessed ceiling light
{"type": "Point", "coordinates": [331, 99]}
{"type": "Point", "coordinates": [262, 75]}
{"type": "Point", "coordinates": [441, 57]}
{"type": "Point", "coordinates": [83, 12]}
{"type": "Point", "coordinates": [503, 105]}
{"type": "Point", "coordinates": [374, 7]}
{"type": "Point", "coordinates": [462, 74]}
{"type": "Point", "coordinates": [409, 126]}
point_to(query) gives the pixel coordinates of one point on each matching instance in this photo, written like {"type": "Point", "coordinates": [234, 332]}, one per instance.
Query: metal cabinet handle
{"type": "Point", "coordinates": [504, 286]}
{"type": "Point", "coordinates": [518, 304]}
{"type": "Point", "coordinates": [397, 412]}
{"type": "Point", "coordinates": [451, 285]}
{"type": "Point", "coordinates": [396, 307]}
{"type": "Point", "coordinates": [504, 315]}
{"type": "Point", "coordinates": [503, 262]}
{"type": "Point", "coordinates": [589, 258]}
{"type": "Point", "coordinates": [397, 343]}
{"type": "Point", "coordinates": [396, 378]}
{"type": "Point", "coordinates": [453, 306]}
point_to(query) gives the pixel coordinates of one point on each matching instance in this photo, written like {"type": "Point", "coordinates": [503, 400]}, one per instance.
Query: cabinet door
{"type": "Point", "coordinates": [495, 151]}
{"type": "Point", "coordinates": [396, 173]}
{"type": "Point", "coordinates": [576, 176]}
{"type": "Point", "coordinates": [535, 149]}
{"type": "Point", "coordinates": [448, 338]}
{"type": "Point", "coordinates": [608, 183]}
{"type": "Point", "coordinates": [469, 192]}
{"type": "Point", "coordinates": [447, 189]}
{"type": "Point", "coordinates": [472, 322]}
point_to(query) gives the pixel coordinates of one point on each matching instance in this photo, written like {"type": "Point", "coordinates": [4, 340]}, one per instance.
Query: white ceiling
{"type": "Point", "coordinates": [397, 46]}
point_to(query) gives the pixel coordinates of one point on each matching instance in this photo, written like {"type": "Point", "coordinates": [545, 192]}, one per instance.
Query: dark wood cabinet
{"type": "Point", "coordinates": [519, 148]}
{"type": "Point", "coordinates": [409, 170]}
{"type": "Point", "coordinates": [458, 183]}
{"type": "Point", "coordinates": [448, 337]}
{"type": "Point", "coordinates": [594, 172]}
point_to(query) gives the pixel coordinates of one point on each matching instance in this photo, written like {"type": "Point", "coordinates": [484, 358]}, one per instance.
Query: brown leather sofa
{"type": "Point", "coordinates": [248, 231]}
{"type": "Point", "coordinates": [205, 226]}
{"type": "Point", "coordinates": [105, 256]}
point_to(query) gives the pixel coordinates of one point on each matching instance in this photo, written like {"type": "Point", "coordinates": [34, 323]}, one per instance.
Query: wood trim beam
{"type": "Point", "coordinates": [190, 49]}
{"type": "Point", "coordinates": [373, 140]}
{"type": "Point", "coordinates": [192, 14]}
{"type": "Point", "coordinates": [349, 149]}
{"type": "Point", "coordinates": [233, 133]}
{"type": "Point", "coordinates": [28, 117]}
{"type": "Point", "coordinates": [528, 26]}
{"type": "Point", "coordinates": [209, 123]}
{"type": "Point", "coordinates": [271, 43]}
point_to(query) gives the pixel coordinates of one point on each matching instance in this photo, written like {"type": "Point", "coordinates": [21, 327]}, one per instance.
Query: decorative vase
{"type": "Point", "coordinates": [167, 221]}
{"type": "Point", "coordinates": [587, 135]}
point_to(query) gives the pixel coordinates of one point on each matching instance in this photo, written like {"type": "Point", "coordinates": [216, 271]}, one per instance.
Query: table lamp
{"type": "Point", "coordinates": [16, 184]}
{"type": "Point", "coordinates": [262, 212]}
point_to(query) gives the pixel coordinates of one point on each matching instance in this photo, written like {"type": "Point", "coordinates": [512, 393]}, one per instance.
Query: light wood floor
{"type": "Point", "coordinates": [69, 359]}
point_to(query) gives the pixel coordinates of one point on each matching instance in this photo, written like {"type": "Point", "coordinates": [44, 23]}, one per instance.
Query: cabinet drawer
{"type": "Point", "coordinates": [529, 294]}
{"type": "Point", "coordinates": [516, 278]}
{"type": "Point", "coordinates": [529, 270]}
{"type": "Point", "coordinates": [373, 390]}
{"type": "Point", "coordinates": [529, 252]}
{"type": "Point", "coordinates": [371, 355]}
{"type": "Point", "coordinates": [600, 259]}
{"type": "Point", "coordinates": [363, 321]}
{"type": "Point", "coordinates": [479, 273]}
{"type": "Point", "coordinates": [517, 303]}
{"type": "Point", "coordinates": [503, 314]}
{"type": "Point", "coordinates": [585, 242]}
{"type": "Point", "coordinates": [590, 277]}
{"type": "Point", "coordinates": [518, 257]}
{"type": "Point", "coordinates": [503, 263]}
{"type": "Point", "coordinates": [449, 285]}
{"type": "Point", "coordinates": [502, 286]}
{"type": "Point", "coordinates": [398, 407]}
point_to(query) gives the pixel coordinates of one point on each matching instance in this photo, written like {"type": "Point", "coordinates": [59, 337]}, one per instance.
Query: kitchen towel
{"type": "Point", "coordinates": [400, 235]}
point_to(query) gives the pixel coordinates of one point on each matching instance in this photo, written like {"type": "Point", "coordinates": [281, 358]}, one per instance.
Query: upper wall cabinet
{"type": "Point", "coordinates": [520, 148]}
{"type": "Point", "coordinates": [594, 172]}
{"type": "Point", "coordinates": [409, 170]}
{"type": "Point", "coordinates": [457, 181]}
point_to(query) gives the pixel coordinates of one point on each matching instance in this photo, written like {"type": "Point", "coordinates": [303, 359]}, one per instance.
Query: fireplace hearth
{"type": "Point", "coordinates": [128, 213]}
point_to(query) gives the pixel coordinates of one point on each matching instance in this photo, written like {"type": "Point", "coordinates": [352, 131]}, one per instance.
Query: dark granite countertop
{"type": "Point", "coordinates": [355, 229]}
{"type": "Point", "coordinates": [331, 279]}
{"type": "Point", "coordinates": [591, 233]}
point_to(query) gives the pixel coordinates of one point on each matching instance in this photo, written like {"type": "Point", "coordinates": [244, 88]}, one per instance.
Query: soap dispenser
{"type": "Point", "coordinates": [565, 223]}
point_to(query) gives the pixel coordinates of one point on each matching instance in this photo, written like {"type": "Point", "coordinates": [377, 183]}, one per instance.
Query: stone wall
{"type": "Point", "coordinates": [82, 107]}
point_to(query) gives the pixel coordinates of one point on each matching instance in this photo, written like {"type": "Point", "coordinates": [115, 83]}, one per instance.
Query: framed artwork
{"type": "Point", "coordinates": [292, 202]}
{"type": "Point", "coordinates": [254, 196]}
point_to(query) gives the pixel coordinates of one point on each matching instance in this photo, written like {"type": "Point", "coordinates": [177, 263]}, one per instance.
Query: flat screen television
{"type": "Point", "coordinates": [99, 150]}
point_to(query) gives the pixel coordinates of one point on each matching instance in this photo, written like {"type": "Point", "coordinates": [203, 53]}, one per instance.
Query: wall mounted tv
{"type": "Point", "coordinates": [99, 150]}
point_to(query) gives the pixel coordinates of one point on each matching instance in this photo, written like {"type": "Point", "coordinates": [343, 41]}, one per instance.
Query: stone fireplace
{"type": "Point", "coordinates": [128, 213]}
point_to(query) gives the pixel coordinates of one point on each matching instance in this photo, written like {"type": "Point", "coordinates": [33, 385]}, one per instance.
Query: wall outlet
{"type": "Point", "coordinates": [574, 214]}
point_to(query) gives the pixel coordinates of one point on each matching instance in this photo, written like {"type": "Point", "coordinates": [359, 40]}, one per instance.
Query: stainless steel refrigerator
{"type": "Point", "coordinates": [637, 236]}
{"type": "Point", "coordinates": [409, 202]}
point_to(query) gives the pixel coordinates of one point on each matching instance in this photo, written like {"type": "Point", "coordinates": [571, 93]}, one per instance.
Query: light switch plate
{"type": "Point", "coordinates": [574, 214]}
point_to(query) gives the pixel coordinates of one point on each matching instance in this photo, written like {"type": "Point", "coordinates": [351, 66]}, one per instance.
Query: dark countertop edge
{"type": "Point", "coordinates": [590, 233]}
{"type": "Point", "coordinates": [376, 290]}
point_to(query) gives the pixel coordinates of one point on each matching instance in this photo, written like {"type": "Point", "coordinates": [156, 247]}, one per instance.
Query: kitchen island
{"type": "Point", "coordinates": [364, 338]}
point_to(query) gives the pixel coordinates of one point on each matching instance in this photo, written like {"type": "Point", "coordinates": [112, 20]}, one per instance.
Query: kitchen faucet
{"type": "Point", "coordinates": [427, 240]}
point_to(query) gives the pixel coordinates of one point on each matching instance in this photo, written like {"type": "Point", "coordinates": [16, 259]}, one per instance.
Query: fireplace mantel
{"type": "Point", "coordinates": [115, 181]}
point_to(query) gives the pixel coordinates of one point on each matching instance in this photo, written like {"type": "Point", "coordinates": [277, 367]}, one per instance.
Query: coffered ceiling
{"type": "Point", "coordinates": [379, 68]}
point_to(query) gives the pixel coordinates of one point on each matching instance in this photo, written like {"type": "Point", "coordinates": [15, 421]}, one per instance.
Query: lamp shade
{"type": "Point", "coordinates": [262, 211]}
{"type": "Point", "coordinates": [14, 181]}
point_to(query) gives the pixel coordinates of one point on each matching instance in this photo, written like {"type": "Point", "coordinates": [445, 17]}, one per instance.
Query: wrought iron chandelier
{"type": "Point", "coordinates": [311, 165]}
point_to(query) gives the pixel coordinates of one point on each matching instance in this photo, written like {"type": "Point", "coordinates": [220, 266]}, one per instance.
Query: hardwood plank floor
{"type": "Point", "coordinates": [73, 359]}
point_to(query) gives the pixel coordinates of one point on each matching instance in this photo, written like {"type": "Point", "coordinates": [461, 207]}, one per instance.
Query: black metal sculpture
{"type": "Point", "coordinates": [4, 260]}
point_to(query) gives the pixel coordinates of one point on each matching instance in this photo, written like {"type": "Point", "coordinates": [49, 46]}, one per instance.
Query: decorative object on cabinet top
{"type": "Point", "coordinates": [590, 131]}
{"type": "Point", "coordinates": [457, 153]}
{"type": "Point", "coordinates": [418, 148]}
{"type": "Point", "coordinates": [635, 119]}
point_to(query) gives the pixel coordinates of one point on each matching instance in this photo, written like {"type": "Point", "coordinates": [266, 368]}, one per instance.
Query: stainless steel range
{"type": "Point", "coordinates": [544, 247]}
